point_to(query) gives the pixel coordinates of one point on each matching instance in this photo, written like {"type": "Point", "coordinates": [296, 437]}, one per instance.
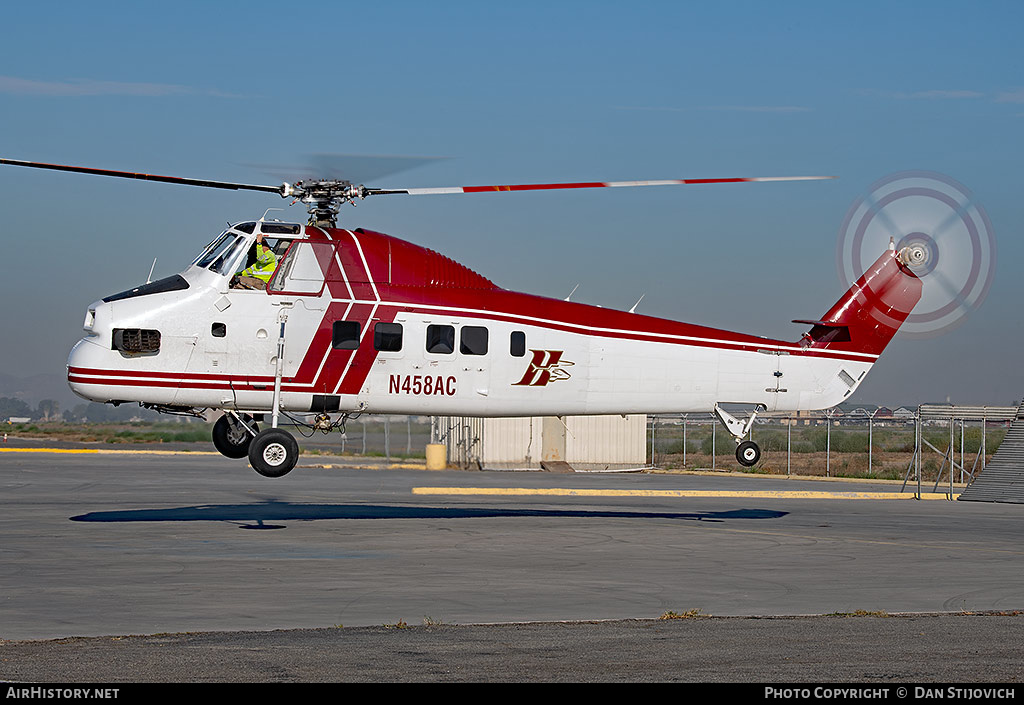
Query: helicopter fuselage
{"type": "Point", "coordinates": [369, 322]}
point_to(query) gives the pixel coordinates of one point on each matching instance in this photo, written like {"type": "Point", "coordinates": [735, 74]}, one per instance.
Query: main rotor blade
{"type": "Point", "coordinates": [582, 184]}
{"type": "Point", "coordinates": [145, 177]}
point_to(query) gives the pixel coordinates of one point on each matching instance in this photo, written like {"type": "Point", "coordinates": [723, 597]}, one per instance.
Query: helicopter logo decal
{"type": "Point", "coordinates": [546, 366]}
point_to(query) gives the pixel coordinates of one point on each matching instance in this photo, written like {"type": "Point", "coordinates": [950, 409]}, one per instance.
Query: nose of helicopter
{"type": "Point", "coordinates": [90, 355]}
{"type": "Point", "coordinates": [117, 361]}
{"type": "Point", "coordinates": [84, 360]}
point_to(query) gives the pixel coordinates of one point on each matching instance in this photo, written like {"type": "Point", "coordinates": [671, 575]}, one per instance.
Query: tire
{"type": "Point", "coordinates": [230, 438]}
{"type": "Point", "coordinates": [273, 452]}
{"type": "Point", "coordinates": [748, 453]}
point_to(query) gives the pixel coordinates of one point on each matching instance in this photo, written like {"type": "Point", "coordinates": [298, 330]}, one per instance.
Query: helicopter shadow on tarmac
{"type": "Point", "coordinates": [258, 515]}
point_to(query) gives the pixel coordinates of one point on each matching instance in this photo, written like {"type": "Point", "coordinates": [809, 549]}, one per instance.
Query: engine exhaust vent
{"type": "Point", "coordinates": [136, 341]}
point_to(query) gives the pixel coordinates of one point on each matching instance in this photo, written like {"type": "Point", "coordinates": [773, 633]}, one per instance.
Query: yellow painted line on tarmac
{"type": "Point", "coordinates": [49, 450]}
{"type": "Point", "coordinates": [139, 451]}
{"type": "Point", "coordinates": [690, 494]}
{"type": "Point", "coordinates": [105, 451]}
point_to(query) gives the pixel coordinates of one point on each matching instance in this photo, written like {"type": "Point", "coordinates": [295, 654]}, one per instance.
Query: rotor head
{"type": "Point", "coordinates": [323, 198]}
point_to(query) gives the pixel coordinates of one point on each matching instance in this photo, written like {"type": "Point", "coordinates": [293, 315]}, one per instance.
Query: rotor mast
{"type": "Point", "coordinates": [323, 198]}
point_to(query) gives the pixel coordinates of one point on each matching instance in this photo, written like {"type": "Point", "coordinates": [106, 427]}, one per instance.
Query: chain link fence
{"type": "Point", "coordinates": [390, 437]}
{"type": "Point", "coordinates": [831, 445]}
{"type": "Point", "coordinates": [825, 446]}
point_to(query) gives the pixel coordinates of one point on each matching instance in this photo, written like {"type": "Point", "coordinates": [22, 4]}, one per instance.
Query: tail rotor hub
{"type": "Point", "coordinates": [920, 255]}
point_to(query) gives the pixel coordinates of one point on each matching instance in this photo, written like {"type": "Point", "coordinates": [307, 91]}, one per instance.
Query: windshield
{"type": "Point", "coordinates": [219, 265]}
{"type": "Point", "coordinates": [215, 249]}
{"type": "Point", "coordinates": [220, 253]}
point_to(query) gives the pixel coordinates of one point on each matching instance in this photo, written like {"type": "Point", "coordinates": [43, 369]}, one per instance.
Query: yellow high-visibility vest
{"type": "Point", "coordinates": [264, 266]}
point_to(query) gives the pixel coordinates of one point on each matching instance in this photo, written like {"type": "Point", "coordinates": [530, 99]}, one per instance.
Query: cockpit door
{"type": "Point", "coordinates": [305, 269]}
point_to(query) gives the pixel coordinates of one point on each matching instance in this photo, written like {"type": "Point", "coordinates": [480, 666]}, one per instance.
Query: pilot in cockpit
{"type": "Point", "coordinates": [257, 274]}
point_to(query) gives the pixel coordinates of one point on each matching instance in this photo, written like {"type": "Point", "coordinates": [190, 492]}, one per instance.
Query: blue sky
{"type": "Point", "coordinates": [522, 92]}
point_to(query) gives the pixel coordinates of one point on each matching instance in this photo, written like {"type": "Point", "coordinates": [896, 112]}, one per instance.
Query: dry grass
{"type": "Point", "coordinates": [689, 614]}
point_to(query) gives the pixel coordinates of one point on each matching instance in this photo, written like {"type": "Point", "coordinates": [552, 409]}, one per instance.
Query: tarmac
{"type": "Point", "coordinates": [416, 575]}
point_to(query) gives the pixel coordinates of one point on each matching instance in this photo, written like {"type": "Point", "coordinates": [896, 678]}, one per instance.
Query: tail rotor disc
{"type": "Point", "coordinates": [943, 236]}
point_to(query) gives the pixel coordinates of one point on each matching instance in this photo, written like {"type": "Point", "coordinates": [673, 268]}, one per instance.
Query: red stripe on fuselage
{"type": "Point", "coordinates": [173, 375]}
{"type": "Point", "coordinates": [364, 357]}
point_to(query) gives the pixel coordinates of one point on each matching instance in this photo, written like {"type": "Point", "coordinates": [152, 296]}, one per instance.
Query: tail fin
{"type": "Point", "coordinates": [867, 317]}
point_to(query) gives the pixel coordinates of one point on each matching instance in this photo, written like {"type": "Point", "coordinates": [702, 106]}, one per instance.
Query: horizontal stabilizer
{"type": "Point", "coordinates": [819, 323]}
{"type": "Point", "coordinates": [826, 332]}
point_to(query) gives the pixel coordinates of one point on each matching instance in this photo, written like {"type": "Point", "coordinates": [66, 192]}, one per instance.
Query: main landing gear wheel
{"type": "Point", "coordinates": [273, 452]}
{"type": "Point", "coordinates": [748, 453]}
{"type": "Point", "coordinates": [231, 438]}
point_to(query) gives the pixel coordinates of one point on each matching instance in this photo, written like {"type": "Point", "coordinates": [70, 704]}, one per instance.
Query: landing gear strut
{"type": "Point", "coordinates": [232, 435]}
{"type": "Point", "coordinates": [273, 452]}
{"type": "Point", "coordinates": [747, 452]}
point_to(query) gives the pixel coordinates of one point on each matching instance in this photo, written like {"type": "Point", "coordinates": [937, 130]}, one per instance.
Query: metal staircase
{"type": "Point", "coordinates": [1003, 478]}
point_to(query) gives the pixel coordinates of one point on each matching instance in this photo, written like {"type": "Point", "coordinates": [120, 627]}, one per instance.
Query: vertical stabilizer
{"type": "Point", "coordinates": [867, 317]}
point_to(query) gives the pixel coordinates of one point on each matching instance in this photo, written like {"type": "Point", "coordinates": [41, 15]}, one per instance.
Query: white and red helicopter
{"type": "Point", "coordinates": [356, 321]}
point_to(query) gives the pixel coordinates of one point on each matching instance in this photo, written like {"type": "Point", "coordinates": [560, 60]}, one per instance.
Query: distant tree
{"type": "Point", "coordinates": [47, 410]}
{"type": "Point", "coordinates": [9, 406]}
{"type": "Point", "coordinates": [98, 413]}
{"type": "Point", "coordinates": [108, 413]}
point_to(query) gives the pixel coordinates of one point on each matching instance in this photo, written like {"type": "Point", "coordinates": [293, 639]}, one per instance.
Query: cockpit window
{"type": "Point", "coordinates": [207, 248]}
{"type": "Point", "coordinates": [214, 253]}
{"type": "Point", "coordinates": [216, 249]}
{"type": "Point", "coordinates": [229, 255]}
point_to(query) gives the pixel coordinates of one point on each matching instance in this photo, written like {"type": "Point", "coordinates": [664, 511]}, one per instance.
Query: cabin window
{"type": "Point", "coordinates": [387, 337]}
{"type": "Point", "coordinates": [473, 340]}
{"type": "Point", "coordinates": [441, 339]}
{"type": "Point", "coordinates": [517, 344]}
{"type": "Point", "coordinates": [219, 330]}
{"type": "Point", "coordinates": [345, 335]}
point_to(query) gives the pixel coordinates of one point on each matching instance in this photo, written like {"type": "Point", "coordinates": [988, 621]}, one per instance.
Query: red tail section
{"type": "Point", "coordinates": [867, 317]}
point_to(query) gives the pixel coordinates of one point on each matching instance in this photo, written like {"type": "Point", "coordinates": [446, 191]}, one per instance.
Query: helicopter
{"type": "Point", "coordinates": [355, 321]}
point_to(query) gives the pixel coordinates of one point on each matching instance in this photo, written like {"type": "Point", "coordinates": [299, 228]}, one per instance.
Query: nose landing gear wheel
{"type": "Point", "coordinates": [748, 453]}
{"type": "Point", "coordinates": [273, 452]}
{"type": "Point", "coordinates": [231, 438]}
